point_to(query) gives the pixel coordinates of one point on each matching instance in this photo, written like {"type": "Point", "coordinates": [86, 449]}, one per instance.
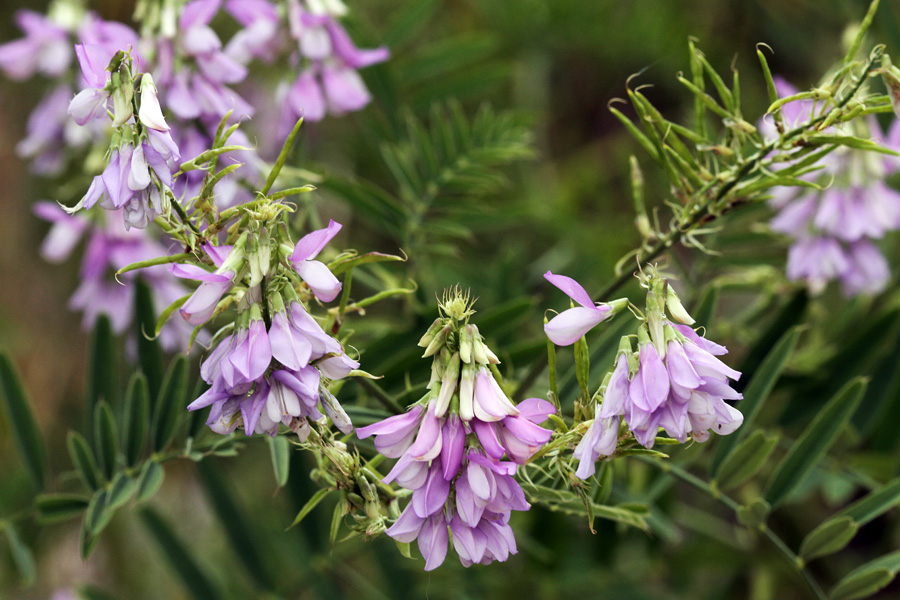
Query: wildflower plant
{"type": "Point", "coordinates": [197, 242]}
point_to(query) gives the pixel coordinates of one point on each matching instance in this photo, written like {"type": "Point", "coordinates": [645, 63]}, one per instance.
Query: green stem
{"type": "Point", "coordinates": [708, 489]}
{"type": "Point", "coordinates": [383, 397]}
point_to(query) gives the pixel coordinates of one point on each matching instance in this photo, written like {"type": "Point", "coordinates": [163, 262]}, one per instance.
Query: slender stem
{"type": "Point", "coordinates": [714, 493]}
{"type": "Point", "coordinates": [380, 395]}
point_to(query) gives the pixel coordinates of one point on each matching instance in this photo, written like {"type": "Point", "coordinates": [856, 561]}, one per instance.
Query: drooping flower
{"type": "Point", "coordinates": [316, 274]}
{"type": "Point", "coordinates": [570, 325]}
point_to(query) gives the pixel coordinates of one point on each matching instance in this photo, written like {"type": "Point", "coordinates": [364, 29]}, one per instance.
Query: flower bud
{"type": "Point", "coordinates": [676, 309]}
{"type": "Point", "coordinates": [439, 340]}
{"type": "Point", "coordinates": [479, 349]}
{"type": "Point", "coordinates": [150, 114]}
{"type": "Point", "coordinates": [465, 344]}
{"type": "Point", "coordinates": [467, 392]}
{"type": "Point", "coordinates": [426, 339]}
{"type": "Point", "coordinates": [335, 411]}
{"type": "Point", "coordinates": [448, 386]}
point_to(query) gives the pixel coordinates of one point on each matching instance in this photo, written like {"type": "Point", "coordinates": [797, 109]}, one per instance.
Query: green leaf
{"type": "Point", "coordinates": [236, 524]}
{"type": "Point", "coordinates": [310, 504]}
{"type": "Point", "coordinates": [83, 460]}
{"type": "Point", "coordinates": [22, 425]}
{"type": "Point", "coordinates": [828, 538]}
{"type": "Point", "coordinates": [875, 504]}
{"type": "Point", "coordinates": [150, 356]}
{"type": "Point", "coordinates": [280, 451]}
{"type": "Point", "coordinates": [21, 554]}
{"type": "Point", "coordinates": [102, 384]}
{"type": "Point", "coordinates": [812, 445]}
{"type": "Point", "coordinates": [53, 508]}
{"type": "Point", "coordinates": [748, 458]}
{"type": "Point", "coordinates": [98, 513]}
{"type": "Point", "coordinates": [568, 502]}
{"type": "Point", "coordinates": [756, 393]}
{"type": "Point", "coordinates": [120, 490]}
{"type": "Point", "coordinates": [862, 585]}
{"type": "Point", "coordinates": [150, 480]}
{"type": "Point", "coordinates": [179, 558]}
{"type": "Point", "coordinates": [365, 259]}
{"type": "Point", "coordinates": [170, 405]}
{"type": "Point", "coordinates": [137, 418]}
{"type": "Point", "coordinates": [850, 141]}
{"type": "Point", "coordinates": [105, 438]}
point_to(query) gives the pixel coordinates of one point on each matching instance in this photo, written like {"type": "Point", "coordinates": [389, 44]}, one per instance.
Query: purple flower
{"type": "Point", "coordinates": [229, 260]}
{"type": "Point", "coordinates": [570, 325]}
{"type": "Point", "coordinates": [260, 37]}
{"type": "Point", "coordinates": [92, 102]}
{"type": "Point", "coordinates": [317, 276]}
{"type": "Point", "coordinates": [45, 48]}
{"type": "Point", "coordinates": [600, 440]}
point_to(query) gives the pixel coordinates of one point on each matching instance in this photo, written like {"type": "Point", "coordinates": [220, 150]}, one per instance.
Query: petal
{"type": "Point", "coordinates": [319, 278]}
{"type": "Point", "coordinates": [569, 326]}
{"type": "Point", "coordinates": [571, 288]}
{"type": "Point", "coordinates": [312, 243]}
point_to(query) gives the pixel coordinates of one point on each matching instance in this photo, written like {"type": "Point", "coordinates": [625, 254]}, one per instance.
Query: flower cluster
{"type": "Point", "coordinates": [272, 368]}
{"type": "Point", "coordinates": [450, 448]}
{"type": "Point", "coordinates": [674, 381]}
{"type": "Point", "coordinates": [834, 229]}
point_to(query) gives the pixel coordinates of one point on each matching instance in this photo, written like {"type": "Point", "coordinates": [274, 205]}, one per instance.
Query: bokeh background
{"type": "Point", "coordinates": [555, 65]}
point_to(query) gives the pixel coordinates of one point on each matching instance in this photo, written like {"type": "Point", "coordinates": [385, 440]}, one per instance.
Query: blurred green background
{"type": "Point", "coordinates": [555, 64]}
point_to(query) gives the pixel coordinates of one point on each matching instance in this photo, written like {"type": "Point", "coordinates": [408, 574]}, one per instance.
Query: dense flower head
{"type": "Point", "coordinates": [267, 370]}
{"type": "Point", "coordinates": [450, 449]}
{"type": "Point", "coordinates": [674, 380]}
{"type": "Point", "coordinates": [833, 228]}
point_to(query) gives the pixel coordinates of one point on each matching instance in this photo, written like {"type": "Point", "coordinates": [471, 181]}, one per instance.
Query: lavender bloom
{"type": "Point", "coordinates": [320, 280]}
{"type": "Point", "coordinates": [260, 37]}
{"type": "Point", "coordinates": [229, 261]}
{"type": "Point", "coordinates": [832, 229]}
{"type": "Point", "coordinates": [570, 325]}
{"type": "Point", "coordinates": [109, 248]}
{"type": "Point", "coordinates": [45, 48]}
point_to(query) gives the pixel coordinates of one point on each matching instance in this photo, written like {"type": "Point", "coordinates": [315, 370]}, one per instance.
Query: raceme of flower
{"type": "Point", "coordinates": [264, 374]}
{"type": "Point", "coordinates": [450, 448]}
{"type": "Point", "coordinates": [834, 228]}
{"type": "Point", "coordinates": [674, 381]}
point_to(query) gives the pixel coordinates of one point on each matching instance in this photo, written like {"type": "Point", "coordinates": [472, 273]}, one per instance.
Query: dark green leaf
{"type": "Point", "coordinates": [149, 352]}
{"type": "Point", "coordinates": [407, 23]}
{"type": "Point", "coordinates": [102, 368]}
{"type": "Point", "coordinates": [150, 480]}
{"type": "Point", "coordinates": [236, 524]}
{"type": "Point", "coordinates": [310, 504]}
{"type": "Point", "coordinates": [53, 508]}
{"type": "Point", "coordinates": [828, 538]}
{"type": "Point", "coordinates": [137, 419]}
{"type": "Point", "coordinates": [755, 394]}
{"type": "Point", "coordinates": [280, 451]}
{"type": "Point", "coordinates": [179, 558]}
{"type": "Point", "coordinates": [170, 405]}
{"type": "Point", "coordinates": [21, 554]}
{"type": "Point", "coordinates": [568, 502]}
{"type": "Point", "coordinates": [749, 456]}
{"type": "Point", "coordinates": [120, 490]}
{"type": "Point", "coordinates": [22, 425]}
{"type": "Point", "coordinates": [83, 460]}
{"type": "Point", "coordinates": [812, 445]}
{"type": "Point", "coordinates": [105, 438]}
{"type": "Point", "coordinates": [706, 306]}
{"type": "Point", "coordinates": [98, 512]}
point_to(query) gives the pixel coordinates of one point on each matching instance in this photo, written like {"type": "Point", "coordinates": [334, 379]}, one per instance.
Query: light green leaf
{"type": "Point", "coordinates": [862, 584]}
{"type": "Point", "coordinates": [310, 504]}
{"type": "Point", "coordinates": [22, 425]}
{"type": "Point", "coordinates": [812, 445]}
{"type": "Point", "coordinates": [150, 480]}
{"type": "Point", "coordinates": [280, 451]}
{"type": "Point", "coordinates": [120, 490]}
{"type": "Point", "coordinates": [875, 504]}
{"type": "Point", "coordinates": [355, 261]}
{"type": "Point", "coordinates": [754, 513]}
{"type": "Point", "coordinates": [828, 538]}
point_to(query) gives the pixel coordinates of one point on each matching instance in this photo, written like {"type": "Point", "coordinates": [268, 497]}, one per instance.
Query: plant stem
{"type": "Point", "coordinates": [383, 397]}
{"type": "Point", "coordinates": [705, 487]}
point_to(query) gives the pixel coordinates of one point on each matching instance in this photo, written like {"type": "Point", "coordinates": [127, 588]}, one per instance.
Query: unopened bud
{"type": "Point", "coordinates": [478, 347]}
{"type": "Point", "coordinates": [465, 344]}
{"type": "Point", "coordinates": [425, 340]}
{"type": "Point", "coordinates": [150, 114]}
{"type": "Point", "coordinates": [467, 392]}
{"type": "Point", "coordinates": [448, 386]}
{"type": "Point", "coordinates": [335, 411]}
{"type": "Point", "coordinates": [439, 340]}
{"type": "Point", "coordinates": [676, 308]}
